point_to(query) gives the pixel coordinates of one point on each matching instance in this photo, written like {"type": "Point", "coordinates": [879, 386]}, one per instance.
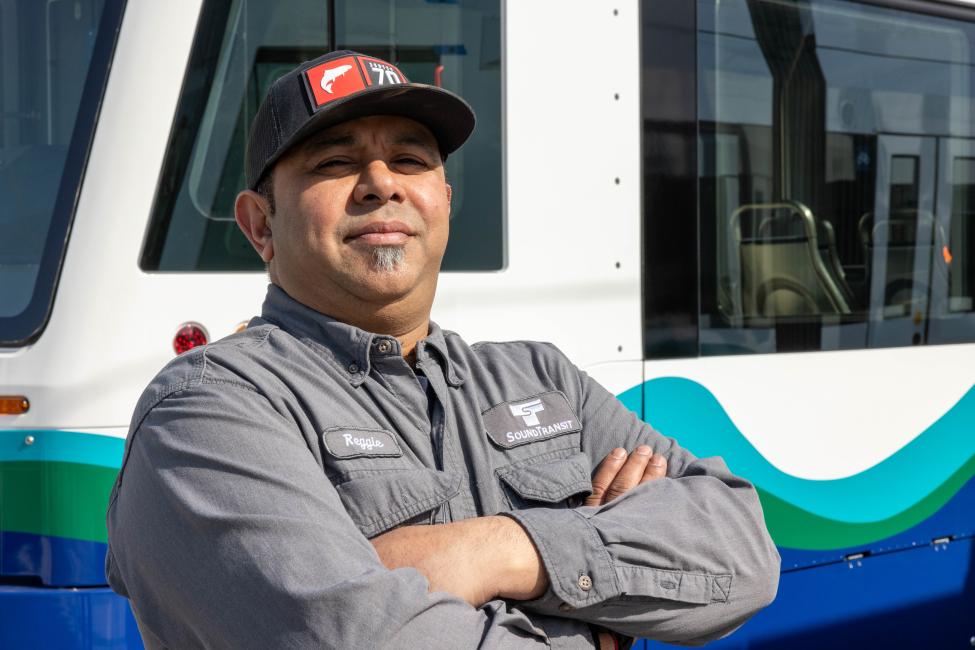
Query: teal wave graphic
{"type": "Point", "coordinates": [59, 445]}
{"type": "Point", "coordinates": [685, 410]}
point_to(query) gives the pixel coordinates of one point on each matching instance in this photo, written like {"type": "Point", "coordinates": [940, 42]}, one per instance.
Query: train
{"type": "Point", "coordinates": [751, 220]}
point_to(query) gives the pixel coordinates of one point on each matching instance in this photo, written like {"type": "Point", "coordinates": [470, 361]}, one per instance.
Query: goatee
{"type": "Point", "coordinates": [387, 259]}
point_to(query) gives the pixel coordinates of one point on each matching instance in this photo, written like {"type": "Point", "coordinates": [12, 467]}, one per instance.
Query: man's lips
{"type": "Point", "coordinates": [381, 233]}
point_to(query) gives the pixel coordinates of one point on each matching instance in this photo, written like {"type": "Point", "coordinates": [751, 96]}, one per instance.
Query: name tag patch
{"type": "Point", "coordinates": [343, 442]}
{"type": "Point", "coordinates": [532, 419]}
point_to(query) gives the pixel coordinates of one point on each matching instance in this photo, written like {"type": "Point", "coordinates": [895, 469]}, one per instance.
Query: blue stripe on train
{"type": "Point", "coordinates": [57, 561]}
{"type": "Point", "coordinates": [908, 593]}
{"type": "Point", "coordinates": [922, 598]}
{"type": "Point", "coordinates": [954, 519]}
{"type": "Point", "coordinates": [79, 619]}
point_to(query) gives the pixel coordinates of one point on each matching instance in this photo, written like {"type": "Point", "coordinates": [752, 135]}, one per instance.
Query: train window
{"type": "Point", "coordinates": [836, 176]}
{"type": "Point", "coordinates": [242, 46]}
{"type": "Point", "coordinates": [54, 59]}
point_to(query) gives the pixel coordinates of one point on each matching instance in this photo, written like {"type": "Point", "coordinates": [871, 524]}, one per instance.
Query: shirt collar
{"type": "Point", "coordinates": [347, 346]}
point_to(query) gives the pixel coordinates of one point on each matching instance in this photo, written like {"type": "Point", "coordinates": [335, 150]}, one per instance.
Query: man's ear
{"type": "Point", "coordinates": [450, 194]}
{"type": "Point", "coordinates": [253, 216]}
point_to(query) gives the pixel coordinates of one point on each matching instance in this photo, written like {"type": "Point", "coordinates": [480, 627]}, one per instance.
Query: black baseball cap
{"type": "Point", "coordinates": [342, 86]}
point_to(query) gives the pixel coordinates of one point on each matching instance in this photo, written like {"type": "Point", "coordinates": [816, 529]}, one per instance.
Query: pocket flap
{"type": "Point", "coordinates": [551, 480]}
{"type": "Point", "coordinates": [381, 501]}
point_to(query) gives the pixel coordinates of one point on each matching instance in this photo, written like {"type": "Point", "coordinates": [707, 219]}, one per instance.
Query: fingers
{"type": "Point", "coordinates": [605, 474]}
{"type": "Point", "coordinates": [656, 468]}
{"type": "Point", "coordinates": [617, 473]}
{"type": "Point", "coordinates": [630, 474]}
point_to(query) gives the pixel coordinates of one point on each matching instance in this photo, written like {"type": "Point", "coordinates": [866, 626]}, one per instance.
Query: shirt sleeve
{"type": "Point", "coordinates": [683, 559]}
{"type": "Point", "coordinates": [225, 533]}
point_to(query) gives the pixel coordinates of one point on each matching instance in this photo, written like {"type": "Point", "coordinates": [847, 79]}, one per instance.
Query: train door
{"type": "Point", "coordinates": [897, 239]}
{"type": "Point", "coordinates": [955, 226]}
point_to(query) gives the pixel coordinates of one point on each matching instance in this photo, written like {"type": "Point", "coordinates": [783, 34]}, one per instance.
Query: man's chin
{"type": "Point", "coordinates": [388, 259]}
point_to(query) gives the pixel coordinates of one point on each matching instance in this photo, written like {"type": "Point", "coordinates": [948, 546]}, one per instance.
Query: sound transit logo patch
{"type": "Point", "coordinates": [528, 420]}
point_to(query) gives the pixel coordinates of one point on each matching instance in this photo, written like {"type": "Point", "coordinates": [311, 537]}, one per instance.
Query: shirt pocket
{"type": "Point", "coordinates": [378, 502]}
{"type": "Point", "coordinates": [556, 479]}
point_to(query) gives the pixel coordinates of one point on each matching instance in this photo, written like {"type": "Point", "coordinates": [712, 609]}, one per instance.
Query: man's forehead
{"type": "Point", "coordinates": [386, 129]}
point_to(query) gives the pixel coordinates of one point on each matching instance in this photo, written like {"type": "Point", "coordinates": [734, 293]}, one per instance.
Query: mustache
{"type": "Point", "coordinates": [380, 226]}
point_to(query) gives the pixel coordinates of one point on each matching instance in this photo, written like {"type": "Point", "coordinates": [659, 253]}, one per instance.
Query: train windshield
{"type": "Point", "coordinates": [53, 60]}
{"type": "Point", "coordinates": [243, 46]}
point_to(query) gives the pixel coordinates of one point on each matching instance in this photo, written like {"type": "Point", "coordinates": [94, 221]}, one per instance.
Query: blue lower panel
{"type": "Point", "coordinates": [919, 598]}
{"type": "Point", "coordinates": [66, 619]}
{"type": "Point", "coordinates": [955, 519]}
{"type": "Point", "coordinates": [57, 561]}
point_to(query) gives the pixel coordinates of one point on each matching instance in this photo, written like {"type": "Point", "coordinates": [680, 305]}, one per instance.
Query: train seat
{"type": "Point", "coordinates": [783, 272]}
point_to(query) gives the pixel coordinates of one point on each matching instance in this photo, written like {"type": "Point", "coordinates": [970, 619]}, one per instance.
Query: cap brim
{"type": "Point", "coordinates": [449, 118]}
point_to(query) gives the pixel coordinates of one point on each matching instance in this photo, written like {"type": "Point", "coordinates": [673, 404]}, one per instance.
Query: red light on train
{"type": "Point", "coordinates": [188, 336]}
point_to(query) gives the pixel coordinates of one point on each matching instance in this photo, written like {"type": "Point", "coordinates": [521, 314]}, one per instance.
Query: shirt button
{"type": "Point", "coordinates": [565, 607]}
{"type": "Point", "coordinates": [353, 368]}
{"type": "Point", "coordinates": [585, 583]}
{"type": "Point", "coordinates": [384, 347]}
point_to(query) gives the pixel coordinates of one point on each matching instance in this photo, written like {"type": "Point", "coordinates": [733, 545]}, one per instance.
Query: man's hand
{"type": "Point", "coordinates": [476, 559]}
{"type": "Point", "coordinates": [619, 472]}
{"type": "Point", "coordinates": [485, 558]}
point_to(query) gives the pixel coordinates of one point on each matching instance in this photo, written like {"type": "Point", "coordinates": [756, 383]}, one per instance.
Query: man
{"type": "Point", "coordinates": [346, 474]}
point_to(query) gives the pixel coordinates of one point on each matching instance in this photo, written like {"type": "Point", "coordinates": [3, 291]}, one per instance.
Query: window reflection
{"type": "Point", "coordinates": [837, 169]}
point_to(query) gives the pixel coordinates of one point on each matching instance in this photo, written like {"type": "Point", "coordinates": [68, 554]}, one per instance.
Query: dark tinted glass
{"type": "Point", "coordinates": [54, 58]}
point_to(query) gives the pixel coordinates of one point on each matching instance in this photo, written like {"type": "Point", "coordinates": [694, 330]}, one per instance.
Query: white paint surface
{"type": "Point", "coordinates": [829, 415]}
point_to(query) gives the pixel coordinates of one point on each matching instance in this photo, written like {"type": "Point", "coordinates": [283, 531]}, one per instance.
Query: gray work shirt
{"type": "Point", "coordinates": [258, 467]}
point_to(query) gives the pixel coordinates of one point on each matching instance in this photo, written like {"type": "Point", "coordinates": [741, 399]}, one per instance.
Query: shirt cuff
{"type": "Point", "coordinates": [565, 634]}
{"type": "Point", "coordinates": [580, 570]}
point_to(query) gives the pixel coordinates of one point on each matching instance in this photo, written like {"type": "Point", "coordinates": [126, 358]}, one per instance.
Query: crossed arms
{"type": "Point", "coordinates": [485, 558]}
{"type": "Point", "coordinates": [224, 532]}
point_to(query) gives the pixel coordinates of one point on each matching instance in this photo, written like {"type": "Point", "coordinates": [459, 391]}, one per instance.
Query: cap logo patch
{"type": "Point", "coordinates": [330, 75]}
{"type": "Point", "coordinates": [333, 80]}
{"type": "Point", "coordinates": [380, 73]}
{"type": "Point", "coordinates": [346, 76]}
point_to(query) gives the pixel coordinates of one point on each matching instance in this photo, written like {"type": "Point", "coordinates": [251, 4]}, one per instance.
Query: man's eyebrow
{"type": "Point", "coordinates": [329, 140]}
{"type": "Point", "coordinates": [419, 140]}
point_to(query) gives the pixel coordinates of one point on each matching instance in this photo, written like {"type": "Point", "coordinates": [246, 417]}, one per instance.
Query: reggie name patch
{"type": "Point", "coordinates": [342, 442]}
{"type": "Point", "coordinates": [532, 419]}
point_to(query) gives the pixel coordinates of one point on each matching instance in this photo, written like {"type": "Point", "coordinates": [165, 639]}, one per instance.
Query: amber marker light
{"type": "Point", "coordinates": [14, 404]}
{"type": "Point", "coordinates": [188, 336]}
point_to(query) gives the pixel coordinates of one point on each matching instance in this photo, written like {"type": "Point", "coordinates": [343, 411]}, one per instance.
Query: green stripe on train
{"type": "Point", "coordinates": [55, 498]}
{"type": "Point", "coordinates": [793, 527]}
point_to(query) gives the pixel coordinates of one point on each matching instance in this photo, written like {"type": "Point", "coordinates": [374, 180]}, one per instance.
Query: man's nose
{"type": "Point", "coordinates": [377, 184]}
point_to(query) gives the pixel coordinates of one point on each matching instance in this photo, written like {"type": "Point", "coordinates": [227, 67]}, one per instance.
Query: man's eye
{"type": "Point", "coordinates": [415, 162]}
{"type": "Point", "coordinates": [332, 164]}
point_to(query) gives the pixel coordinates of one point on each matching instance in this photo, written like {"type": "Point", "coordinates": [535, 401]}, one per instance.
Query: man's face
{"type": "Point", "coordinates": [362, 213]}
